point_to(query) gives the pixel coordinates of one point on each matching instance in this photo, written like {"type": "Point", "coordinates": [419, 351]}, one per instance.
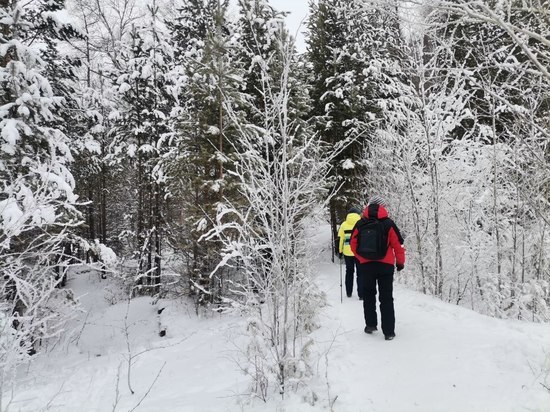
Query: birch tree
{"type": "Point", "coordinates": [280, 167]}
{"type": "Point", "coordinates": [474, 88]}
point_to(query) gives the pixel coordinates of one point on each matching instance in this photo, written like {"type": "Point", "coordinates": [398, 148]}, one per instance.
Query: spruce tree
{"type": "Point", "coordinates": [259, 25]}
{"type": "Point", "coordinates": [327, 37]}
{"type": "Point", "coordinates": [354, 51]}
{"type": "Point", "coordinates": [142, 136]}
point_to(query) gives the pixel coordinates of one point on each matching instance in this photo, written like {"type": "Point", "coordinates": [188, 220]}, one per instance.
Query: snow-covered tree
{"type": "Point", "coordinates": [332, 110]}
{"type": "Point", "coordinates": [523, 22]}
{"type": "Point", "coordinates": [142, 136]}
{"type": "Point", "coordinates": [37, 200]}
{"type": "Point", "coordinates": [465, 159]}
{"type": "Point", "coordinates": [355, 54]}
{"type": "Point", "coordinates": [281, 167]}
{"type": "Point", "coordinates": [259, 24]}
{"type": "Point", "coordinates": [207, 77]}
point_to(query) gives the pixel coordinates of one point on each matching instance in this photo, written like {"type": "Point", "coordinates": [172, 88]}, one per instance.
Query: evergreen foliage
{"type": "Point", "coordinates": [207, 76]}
{"type": "Point", "coordinates": [355, 53]}
{"type": "Point", "coordinates": [142, 138]}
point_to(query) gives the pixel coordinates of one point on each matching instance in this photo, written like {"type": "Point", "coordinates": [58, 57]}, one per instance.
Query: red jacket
{"type": "Point", "coordinates": [396, 252]}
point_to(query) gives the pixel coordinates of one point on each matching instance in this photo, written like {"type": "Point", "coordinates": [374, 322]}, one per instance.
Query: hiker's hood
{"type": "Point", "coordinates": [375, 211]}
{"type": "Point", "coordinates": [352, 218]}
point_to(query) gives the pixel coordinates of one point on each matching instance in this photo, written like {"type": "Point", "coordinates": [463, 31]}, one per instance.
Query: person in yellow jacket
{"type": "Point", "coordinates": [344, 235]}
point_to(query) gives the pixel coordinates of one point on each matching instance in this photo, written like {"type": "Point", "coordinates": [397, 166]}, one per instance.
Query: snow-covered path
{"type": "Point", "coordinates": [445, 359]}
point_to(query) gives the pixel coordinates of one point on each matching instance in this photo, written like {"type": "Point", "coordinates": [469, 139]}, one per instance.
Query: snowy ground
{"type": "Point", "coordinates": [445, 358]}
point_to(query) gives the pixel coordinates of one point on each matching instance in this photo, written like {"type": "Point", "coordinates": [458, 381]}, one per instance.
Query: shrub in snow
{"type": "Point", "coordinates": [281, 169]}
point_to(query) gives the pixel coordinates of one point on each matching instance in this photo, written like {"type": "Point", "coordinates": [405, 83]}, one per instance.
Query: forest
{"type": "Point", "coordinates": [187, 150]}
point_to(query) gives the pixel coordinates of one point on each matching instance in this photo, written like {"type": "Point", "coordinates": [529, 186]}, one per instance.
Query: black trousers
{"type": "Point", "coordinates": [351, 269]}
{"type": "Point", "coordinates": [382, 273]}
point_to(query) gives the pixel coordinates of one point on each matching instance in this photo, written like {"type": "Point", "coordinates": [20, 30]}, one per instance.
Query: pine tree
{"type": "Point", "coordinates": [259, 25]}
{"type": "Point", "coordinates": [261, 29]}
{"type": "Point", "coordinates": [208, 77]}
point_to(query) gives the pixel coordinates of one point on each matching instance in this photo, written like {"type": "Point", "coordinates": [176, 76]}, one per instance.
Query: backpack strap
{"type": "Point", "coordinates": [397, 232]}
{"type": "Point", "coordinates": [387, 224]}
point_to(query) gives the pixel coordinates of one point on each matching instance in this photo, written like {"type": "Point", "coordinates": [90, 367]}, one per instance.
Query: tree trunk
{"type": "Point", "coordinates": [417, 232]}
{"type": "Point", "coordinates": [495, 204]}
{"type": "Point", "coordinates": [157, 224]}
{"type": "Point", "coordinates": [103, 203]}
{"type": "Point", "coordinates": [91, 214]}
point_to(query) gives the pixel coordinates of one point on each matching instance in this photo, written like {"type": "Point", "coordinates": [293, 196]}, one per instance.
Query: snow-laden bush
{"type": "Point", "coordinates": [281, 168]}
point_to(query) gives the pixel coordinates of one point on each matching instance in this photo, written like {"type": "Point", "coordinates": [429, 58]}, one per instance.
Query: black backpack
{"type": "Point", "coordinates": [372, 239]}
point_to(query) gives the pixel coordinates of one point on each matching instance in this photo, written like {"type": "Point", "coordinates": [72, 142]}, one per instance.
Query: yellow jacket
{"type": "Point", "coordinates": [344, 233]}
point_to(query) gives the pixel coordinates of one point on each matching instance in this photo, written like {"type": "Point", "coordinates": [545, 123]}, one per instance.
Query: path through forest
{"type": "Point", "coordinates": [444, 358]}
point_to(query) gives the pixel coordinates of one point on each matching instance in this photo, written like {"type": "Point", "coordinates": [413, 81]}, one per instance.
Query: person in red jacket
{"type": "Point", "coordinates": [373, 271]}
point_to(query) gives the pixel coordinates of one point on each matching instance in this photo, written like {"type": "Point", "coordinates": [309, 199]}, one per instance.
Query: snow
{"type": "Point", "coordinates": [202, 224]}
{"type": "Point", "coordinates": [124, 87]}
{"type": "Point", "coordinates": [11, 215]}
{"type": "Point", "coordinates": [348, 164]}
{"type": "Point", "coordinates": [213, 130]}
{"type": "Point", "coordinates": [444, 358]}
{"type": "Point", "coordinates": [132, 149]}
{"type": "Point", "coordinates": [60, 17]}
{"type": "Point", "coordinates": [10, 134]}
{"type": "Point", "coordinates": [92, 145]}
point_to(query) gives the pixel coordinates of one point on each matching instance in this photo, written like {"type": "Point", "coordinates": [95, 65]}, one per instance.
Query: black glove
{"type": "Point", "coordinates": [340, 255]}
{"type": "Point", "coordinates": [400, 267]}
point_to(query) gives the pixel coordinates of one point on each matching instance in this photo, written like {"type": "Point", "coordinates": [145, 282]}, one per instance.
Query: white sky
{"type": "Point", "coordinates": [298, 12]}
